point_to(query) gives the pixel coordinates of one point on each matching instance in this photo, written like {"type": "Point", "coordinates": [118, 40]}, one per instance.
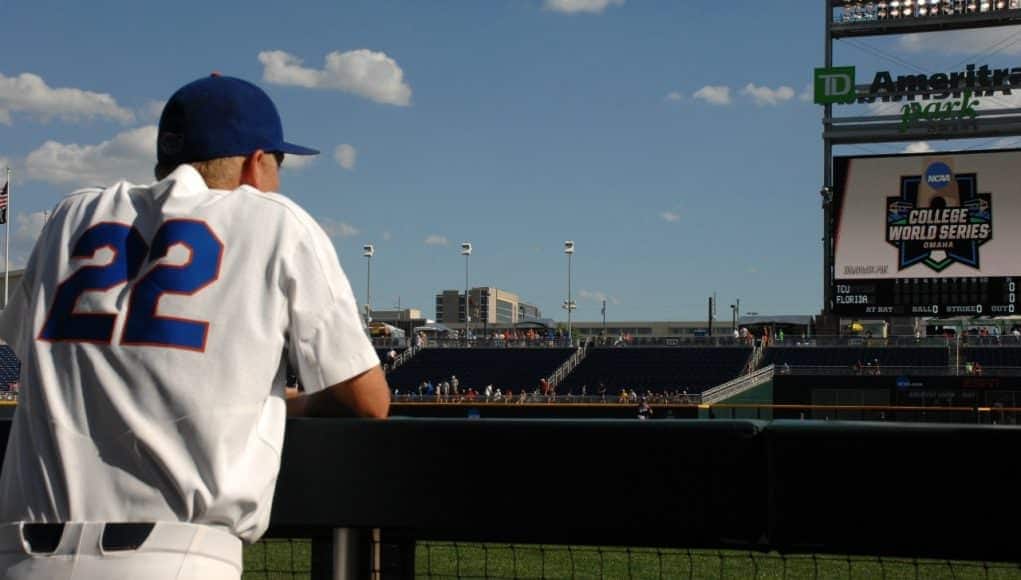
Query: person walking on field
{"type": "Point", "coordinates": [154, 325]}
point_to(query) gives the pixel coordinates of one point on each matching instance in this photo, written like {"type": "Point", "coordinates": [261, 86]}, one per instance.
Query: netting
{"type": "Point", "coordinates": [279, 559]}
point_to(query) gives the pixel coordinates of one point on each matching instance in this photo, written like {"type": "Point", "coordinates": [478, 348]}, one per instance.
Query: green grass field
{"type": "Point", "coordinates": [277, 560]}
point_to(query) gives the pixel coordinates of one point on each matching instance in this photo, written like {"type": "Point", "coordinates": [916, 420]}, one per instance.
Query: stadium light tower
{"type": "Point", "coordinates": [368, 250]}
{"type": "Point", "coordinates": [569, 304]}
{"type": "Point", "coordinates": [466, 251]}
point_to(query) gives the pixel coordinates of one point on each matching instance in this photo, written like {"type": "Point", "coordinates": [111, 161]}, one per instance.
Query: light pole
{"type": "Point", "coordinates": [569, 305]}
{"type": "Point", "coordinates": [466, 251]}
{"type": "Point", "coordinates": [735, 311]}
{"type": "Point", "coordinates": [368, 250]}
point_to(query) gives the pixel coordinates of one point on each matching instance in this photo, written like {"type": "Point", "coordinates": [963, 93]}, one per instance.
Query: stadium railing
{"type": "Point", "coordinates": [364, 492]}
{"type": "Point", "coordinates": [931, 370]}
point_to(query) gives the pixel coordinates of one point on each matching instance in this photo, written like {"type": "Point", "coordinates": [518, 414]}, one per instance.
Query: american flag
{"type": "Point", "coordinates": [3, 203]}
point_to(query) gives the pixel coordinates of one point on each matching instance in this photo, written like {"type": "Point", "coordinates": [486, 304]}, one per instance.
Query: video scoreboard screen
{"type": "Point", "coordinates": [931, 234]}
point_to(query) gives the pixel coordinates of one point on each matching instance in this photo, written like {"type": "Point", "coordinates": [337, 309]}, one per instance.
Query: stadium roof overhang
{"type": "Point", "coordinates": [794, 319]}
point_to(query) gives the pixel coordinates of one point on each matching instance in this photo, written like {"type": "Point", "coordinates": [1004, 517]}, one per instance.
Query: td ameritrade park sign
{"type": "Point", "coordinates": [952, 95]}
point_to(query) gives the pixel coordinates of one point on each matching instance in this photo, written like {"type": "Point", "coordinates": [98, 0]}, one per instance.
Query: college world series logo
{"type": "Point", "coordinates": [939, 218]}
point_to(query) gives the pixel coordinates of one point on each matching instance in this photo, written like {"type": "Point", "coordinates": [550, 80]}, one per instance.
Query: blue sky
{"type": "Point", "coordinates": [672, 140]}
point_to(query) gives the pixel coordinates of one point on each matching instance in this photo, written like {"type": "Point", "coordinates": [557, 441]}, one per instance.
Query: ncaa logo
{"type": "Point", "coordinates": [938, 175]}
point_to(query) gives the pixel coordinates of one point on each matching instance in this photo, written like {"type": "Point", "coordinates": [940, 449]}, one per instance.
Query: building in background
{"type": "Point", "coordinates": [489, 306]}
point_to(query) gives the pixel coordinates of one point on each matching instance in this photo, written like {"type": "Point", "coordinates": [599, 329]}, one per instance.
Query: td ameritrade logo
{"type": "Point", "coordinates": [939, 218]}
{"type": "Point", "coordinates": [834, 85]}
{"type": "Point", "coordinates": [951, 98]}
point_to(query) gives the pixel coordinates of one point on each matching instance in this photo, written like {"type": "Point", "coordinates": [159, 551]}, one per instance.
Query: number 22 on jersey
{"type": "Point", "coordinates": [142, 326]}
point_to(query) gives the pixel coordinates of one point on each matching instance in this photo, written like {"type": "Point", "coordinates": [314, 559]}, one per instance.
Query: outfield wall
{"type": "Point", "coordinates": [889, 489]}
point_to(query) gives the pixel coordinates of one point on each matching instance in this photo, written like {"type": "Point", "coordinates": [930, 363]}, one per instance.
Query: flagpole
{"type": "Point", "coordinates": [7, 239]}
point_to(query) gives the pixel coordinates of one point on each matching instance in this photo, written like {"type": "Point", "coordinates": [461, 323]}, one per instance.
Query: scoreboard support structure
{"type": "Point", "coordinates": [892, 298]}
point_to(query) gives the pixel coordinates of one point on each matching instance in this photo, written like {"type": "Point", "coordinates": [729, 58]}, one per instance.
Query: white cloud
{"type": "Point", "coordinates": [971, 42]}
{"type": "Point", "coordinates": [297, 162]}
{"type": "Point", "coordinates": [714, 94]}
{"type": "Point", "coordinates": [1000, 101]}
{"type": "Point", "coordinates": [436, 240]}
{"type": "Point", "coordinates": [26, 231]}
{"type": "Point", "coordinates": [1005, 143]}
{"type": "Point", "coordinates": [29, 94]}
{"type": "Point", "coordinates": [806, 95]}
{"type": "Point", "coordinates": [152, 110]}
{"type": "Point", "coordinates": [346, 156]}
{"type": "Point", "coordinates": [580, 6]}
{"type": "Point", "coordinates": [28, 226]}
{"type": "Point", "coordinates": [129, 155]}
{"type": "Point", "coordinates": [763, 96]}
{"type": "Point", "coordinates": [336, 229]}
{"type": "Point", "coordinates": [918, 147]}
{"type": "Point", "coordinates": [881, 108]}
{"type": "Point", "coordinates": [674, 97]}
{"type": "Point", "coordinates": [363, 72]}
{"type": "Point", "coordinates": [597, 296]}
{"type": "Point", "coordinates": [670, 216]}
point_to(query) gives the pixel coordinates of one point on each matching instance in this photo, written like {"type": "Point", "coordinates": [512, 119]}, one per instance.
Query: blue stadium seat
{"type": "Point", "coordinates": [656, 369]}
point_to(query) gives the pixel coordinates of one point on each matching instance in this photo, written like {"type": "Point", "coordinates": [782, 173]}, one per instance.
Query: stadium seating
{"type": "Point", "coordinates": [656, 368]}
{"type": "Point", "coordinates": [847, 356]}
{"type": "Point", "coordinates": [381, 353]}
{"type": "Point", "coordinates": [1003, 356]}
{"type": "Point", "coordinates": [514, 368]}
{"type": "Point", "coordinates": [10, 367]}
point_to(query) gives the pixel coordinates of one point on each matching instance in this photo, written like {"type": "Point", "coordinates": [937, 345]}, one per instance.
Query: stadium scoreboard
{"type": "Point", "coordinates": [927, 297]}
{"type": "Point", "coordinates": [932, 234]}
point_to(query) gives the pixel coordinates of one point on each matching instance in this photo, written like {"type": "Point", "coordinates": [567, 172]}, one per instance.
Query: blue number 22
{"type": "Point", "coordinates": [142, 325]}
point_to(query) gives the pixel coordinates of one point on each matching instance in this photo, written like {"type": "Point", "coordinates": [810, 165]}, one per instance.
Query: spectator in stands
{"type": "Point", "coordinates": [454, 385]}
{"type": "Point", "coordinates": [786, 368]}
{"type": "Point", "coordinates": [489, 393]}
{"type": "Point", "coordinates": [859, 368]}
{"type": "Point", "coordinates": [644, 410]}
{"type": "Point", "coordinates": [977, 368]}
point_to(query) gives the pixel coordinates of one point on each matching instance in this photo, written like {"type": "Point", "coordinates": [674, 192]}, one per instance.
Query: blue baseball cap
{"type": "Point", "coordinates": [220, 116]}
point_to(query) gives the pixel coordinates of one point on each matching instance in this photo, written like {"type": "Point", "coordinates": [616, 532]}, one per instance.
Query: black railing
{"type": "Point", "coordinates": [888, 490]}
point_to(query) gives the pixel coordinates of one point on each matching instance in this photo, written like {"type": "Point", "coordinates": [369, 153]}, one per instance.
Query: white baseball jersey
{"type": "Point", "coordinates": [151, 325]}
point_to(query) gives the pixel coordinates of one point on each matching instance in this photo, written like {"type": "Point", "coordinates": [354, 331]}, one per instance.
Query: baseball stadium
{"type": "Point", "coordinates": [873, 439]}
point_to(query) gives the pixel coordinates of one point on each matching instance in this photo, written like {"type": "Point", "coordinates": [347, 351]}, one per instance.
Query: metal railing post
{"type": "Point", "coordinates": [350, 554]}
